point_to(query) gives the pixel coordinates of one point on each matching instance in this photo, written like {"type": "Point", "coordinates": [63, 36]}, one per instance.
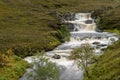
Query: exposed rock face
{"type": "Point", "coordinates": [70, 26]}
{"type": "Point", "coordinates": [69, 16]}
{"type": "Point", "coordinates": [64, 17]}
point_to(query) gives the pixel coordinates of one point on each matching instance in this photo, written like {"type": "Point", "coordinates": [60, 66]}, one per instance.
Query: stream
{"type": "Point", "coordinates": [84, 31]}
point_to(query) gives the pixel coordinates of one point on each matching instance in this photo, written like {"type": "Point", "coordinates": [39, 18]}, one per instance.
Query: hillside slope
{"type": "Point", "coordinates": [32, 23]}
{"type": "Point", "coordinates": [108, 65]}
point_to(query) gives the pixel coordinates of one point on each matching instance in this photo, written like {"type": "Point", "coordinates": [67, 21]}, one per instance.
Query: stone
{"type": "Point", "coordinates": [96, 43]}
{"type": "Point", "coordinates": [56, 56]}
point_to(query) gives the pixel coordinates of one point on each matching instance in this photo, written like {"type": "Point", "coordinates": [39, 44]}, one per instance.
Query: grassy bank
{"type": "Point", "coordinates": [14, 69]}
{"type": "Point", "coordinates": [110, 19]}
{"type": "Point", "coordinates": [107, 67]}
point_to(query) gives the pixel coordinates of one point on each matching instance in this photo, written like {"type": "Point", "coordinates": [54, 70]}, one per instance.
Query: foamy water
{"type": "Point", "coordinates": [83, 32]}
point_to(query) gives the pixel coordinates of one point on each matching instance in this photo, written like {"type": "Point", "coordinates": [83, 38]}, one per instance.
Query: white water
{"type": "Point", "coordinates": [83, 22]}
{"type": "Point", "coordinates": [84, 32]}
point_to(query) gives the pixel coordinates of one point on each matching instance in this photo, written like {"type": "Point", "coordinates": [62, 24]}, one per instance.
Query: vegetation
{"type": "Point", "coordinates": [28, 26]}
{"type": "Point", "coordinates": [116, 31]}
{"type": "Point", "coordinates": [14, 70]}
{"type": "Point", "coordinates": [64, 33]}
{"type": "Point", "coordinates": [109, 18]}
{"type": "Point", "coordinates": [107, 67]}
{"type": "Point", "coordinates": [43, 70]}
{"type": "Point", "coordinates": [33, 24]}
{"type": "Point", "coordinates": [83, 56]}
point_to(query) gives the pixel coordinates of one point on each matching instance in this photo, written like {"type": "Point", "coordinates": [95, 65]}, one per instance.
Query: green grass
{"type": "Point", "coordinates": [14, 70]}
{"type": "Point", "coordinates": [110, 19]}
{"type": "Point", "coordinates": [32, 22]}
{"type": "Point", "coordinates": [107, 67]}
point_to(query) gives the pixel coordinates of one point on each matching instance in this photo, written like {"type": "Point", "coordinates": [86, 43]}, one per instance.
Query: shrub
{"type": "Point", "coordinates": [4, 60]}
{"type": "Point", "coordinates": [43, 70]}
{"type": "Point", "coordinates": [64, 33]}
{"type": "Point", "coordinates": [15, 70]}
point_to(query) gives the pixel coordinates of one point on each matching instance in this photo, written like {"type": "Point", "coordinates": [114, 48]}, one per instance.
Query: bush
{"type": "Point", "coordinates": [64, 33]}
{"type": "Point", "coordinates": [23, 51]}
{"type": "Point", "coordinates": [43, 70]}
{"type": "Point", "coordinates": [14, 71]}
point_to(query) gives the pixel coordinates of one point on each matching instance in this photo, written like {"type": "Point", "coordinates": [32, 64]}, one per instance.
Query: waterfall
{"type": "Point", "coordinates": [83, 32]}
{"type": "Point", "coordinates": [83, 16]}
{"type": "Point", "coordinates": [83, 22]}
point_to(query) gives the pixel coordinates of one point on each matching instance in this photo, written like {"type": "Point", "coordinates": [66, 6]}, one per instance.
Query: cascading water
{"type": "Point", "coordinates": [83, 32]}
{"type": "Point", "coordinates": [83, 22]}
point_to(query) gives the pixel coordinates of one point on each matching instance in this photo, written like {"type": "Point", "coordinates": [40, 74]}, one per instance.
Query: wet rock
{"type": "Point", "coordinates": [56, 56]}
{"type": "Point", "coordinates": [96, 43]}
{"type": "Point", "coordinates": [69, 16]}
{"type": "Point", "coordinates": [102, 45]}
{"type": "Point", "coordinates": [97, 47]}
{"type": "Point", "coordinates": [103, 49]}
{"type": "Point", "coordinates": [112, 39]}
{"type": "Point", "coordinates": [89, 21]}
{"type": "Point", "coordinates": [70, 26]}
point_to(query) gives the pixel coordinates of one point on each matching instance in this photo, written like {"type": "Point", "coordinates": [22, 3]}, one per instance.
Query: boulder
{"type": "Point", "coordinates": [56, 56]}
{"type": "Point", "coordinates": [96, 43]}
